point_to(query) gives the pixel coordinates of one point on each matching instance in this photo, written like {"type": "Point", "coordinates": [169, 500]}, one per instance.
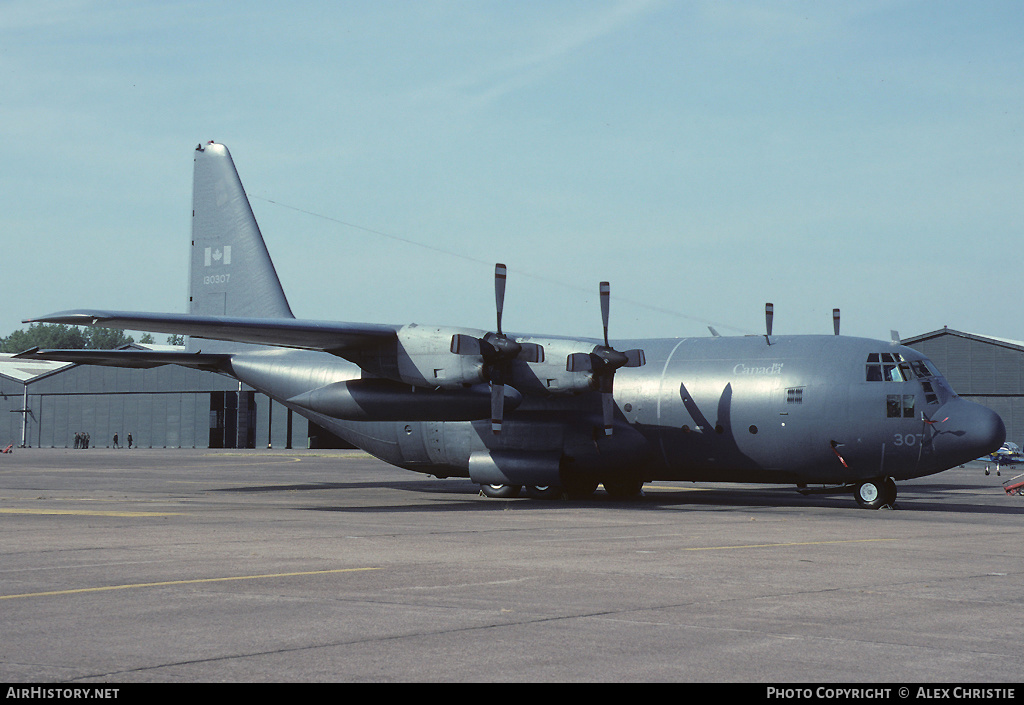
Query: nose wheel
{"type": "Point", "coordinates": [876, 493]}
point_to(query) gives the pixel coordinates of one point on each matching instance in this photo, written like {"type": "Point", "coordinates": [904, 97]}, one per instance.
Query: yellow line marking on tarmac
{"type": "Point", "coordinates": [195, 581]}
{"type": "Point", "coordinates": [783, 545]}
{"type": "Point", "coordinates": [669, 488]}
{"type": "Point", "coordinates": [90, 512]}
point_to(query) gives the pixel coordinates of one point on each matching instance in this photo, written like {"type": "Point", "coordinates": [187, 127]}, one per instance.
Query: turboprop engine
{"type": "Point", "coordinates": [387, 400]}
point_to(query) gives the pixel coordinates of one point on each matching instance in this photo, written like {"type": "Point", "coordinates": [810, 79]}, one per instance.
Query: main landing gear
{"type": "Point", "coordinates": [875, 493]}
{"type": "Point", "coordinates": [578, 489]}
{"type": "Point", "coordinates": [500, 491]}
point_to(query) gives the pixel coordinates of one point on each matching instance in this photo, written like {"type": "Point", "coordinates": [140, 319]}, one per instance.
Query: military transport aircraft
{"type": "Point", "coordinates": [557, 416]}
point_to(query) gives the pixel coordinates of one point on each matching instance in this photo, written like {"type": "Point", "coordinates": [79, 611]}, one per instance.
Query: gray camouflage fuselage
{"type": "Point", "coordinates": [702, 409]}
{"type": "Point", "coordinates": [512, 410]}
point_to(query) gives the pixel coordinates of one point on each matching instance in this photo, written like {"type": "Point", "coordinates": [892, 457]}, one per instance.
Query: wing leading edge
{"type": "Point", "coordinates": [137, 359]}
{"type": "Point", "coordinates": [325, 336]}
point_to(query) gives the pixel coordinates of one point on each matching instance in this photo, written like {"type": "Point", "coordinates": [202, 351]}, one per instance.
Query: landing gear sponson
{"type": "Point", "coordinates": [870, 494]}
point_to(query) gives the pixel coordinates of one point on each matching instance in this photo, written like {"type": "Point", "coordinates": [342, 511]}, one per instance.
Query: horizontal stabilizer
{"type": "Point", "coordinates": [138, 359]}
{"type": "Point", "coordinates": [325, 336]}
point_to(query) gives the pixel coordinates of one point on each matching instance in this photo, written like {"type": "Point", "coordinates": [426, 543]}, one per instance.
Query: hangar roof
{"type": "Point", "coordinates": [25, 371]}
{"type": "Point", "coordinates": [1005, 342]}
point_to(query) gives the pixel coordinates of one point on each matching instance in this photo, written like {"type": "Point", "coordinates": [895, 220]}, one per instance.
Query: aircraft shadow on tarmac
{"type": "Point", "coordinates": [465, 497]}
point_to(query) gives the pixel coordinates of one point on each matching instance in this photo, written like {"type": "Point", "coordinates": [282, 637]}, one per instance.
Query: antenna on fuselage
{"type": "Point", "coordinates": [895, 335]}
{"type": "Point", "coordinates": [835, 320]}
{"type": "Point", "coordinates": [769, 314]}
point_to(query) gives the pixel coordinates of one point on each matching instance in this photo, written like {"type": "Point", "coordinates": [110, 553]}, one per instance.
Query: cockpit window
{"type": "Point", "coordinates": [930, 396]}
{"type": "Point", "coordinates": [892, 367]}
{"type": "Point", "coordinates": [921, 369]}
{"type": "Point", "coordinates": [887, 367]}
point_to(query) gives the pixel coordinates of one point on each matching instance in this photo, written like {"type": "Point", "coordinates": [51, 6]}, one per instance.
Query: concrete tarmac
{"type": "Point", "coordinates": [299, 566]}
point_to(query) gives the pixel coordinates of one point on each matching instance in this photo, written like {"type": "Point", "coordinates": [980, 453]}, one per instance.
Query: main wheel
{"type": "Point", "coordinates": [543, 491]}
{"type": "Point", "coordinates": [500, 491]}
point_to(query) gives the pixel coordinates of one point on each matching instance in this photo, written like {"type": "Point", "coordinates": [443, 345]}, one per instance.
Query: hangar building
{"type": "Point", "coordinates": [982, 369]}
{"type": "Point", "coordinates": [44, 404]}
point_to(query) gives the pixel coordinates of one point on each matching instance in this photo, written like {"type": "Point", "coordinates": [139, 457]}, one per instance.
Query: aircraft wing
{"type": "Point", "coordinates": [138, 359]}
{"type": "Point", "coordinates": [326, 336]}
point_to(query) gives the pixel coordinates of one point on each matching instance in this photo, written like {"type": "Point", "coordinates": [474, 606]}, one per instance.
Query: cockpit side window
{"type": "Point", "coordinates": [920, 369]}
{"type": "Point", "coordinates": [930, 396]}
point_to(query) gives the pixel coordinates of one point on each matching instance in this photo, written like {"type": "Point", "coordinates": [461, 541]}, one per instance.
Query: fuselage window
{"type": "Point", "coordinates": [899, 406]}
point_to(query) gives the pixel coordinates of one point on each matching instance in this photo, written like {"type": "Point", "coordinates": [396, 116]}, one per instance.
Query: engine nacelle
{"type": "Point", "coordinates": [386, 400]}
{"type": "Point", "coordinates": [422, 357]}
{"type": "Point", "coordinates": [551, 377]}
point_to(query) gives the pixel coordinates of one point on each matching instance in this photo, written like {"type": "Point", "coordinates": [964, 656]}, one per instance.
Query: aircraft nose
{"type": "Point", "coordinates": [966, 431]}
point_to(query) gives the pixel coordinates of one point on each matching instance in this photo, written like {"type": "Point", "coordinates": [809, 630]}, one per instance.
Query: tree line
{"type": "Point", "coordinates": [57, 336]}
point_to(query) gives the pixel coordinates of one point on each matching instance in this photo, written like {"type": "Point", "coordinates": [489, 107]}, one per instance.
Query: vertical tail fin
{"type": "Point", "coordinates": [231, 272]}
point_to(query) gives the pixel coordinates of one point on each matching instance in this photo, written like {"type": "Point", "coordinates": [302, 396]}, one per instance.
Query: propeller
{"type": "Point", "coordinates": [498, 352]}
{"type": "Point", "coordinates": [603, 361]}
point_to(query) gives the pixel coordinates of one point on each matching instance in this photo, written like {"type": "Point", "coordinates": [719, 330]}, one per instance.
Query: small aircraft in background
{"type": "Point", "coordinates": [1008, 455]}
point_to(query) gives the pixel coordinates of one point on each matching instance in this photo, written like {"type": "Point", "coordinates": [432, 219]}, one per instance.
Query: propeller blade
{"type": "Point", "coordinates": [604, 361]}
{"type": "Point", "coordinates": [606, 294]}
{"type": "Point", "coordinates": [835, 320]}
{"type": "Point", "coordinates": [500, 274]}
{"type": "Point", "coordinates": [607, 411]}
{"type": "Point", "coordinates": [496, 347]}
{"type": "Point", "coordinates": [635, 358]}
{"type": "Point", "coordinates": [497, 407]}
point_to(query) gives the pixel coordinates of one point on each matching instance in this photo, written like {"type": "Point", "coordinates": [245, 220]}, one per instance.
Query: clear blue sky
{"type": "Point", "coordinates": [705, 157]}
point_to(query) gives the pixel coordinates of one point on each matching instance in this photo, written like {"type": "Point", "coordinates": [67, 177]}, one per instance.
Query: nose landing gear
{"type": "Point", "coordinates": [875, 493]}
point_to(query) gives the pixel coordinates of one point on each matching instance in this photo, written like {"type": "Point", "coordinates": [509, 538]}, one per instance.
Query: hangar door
{"type": "Point", "coordinates": [232, 420]}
